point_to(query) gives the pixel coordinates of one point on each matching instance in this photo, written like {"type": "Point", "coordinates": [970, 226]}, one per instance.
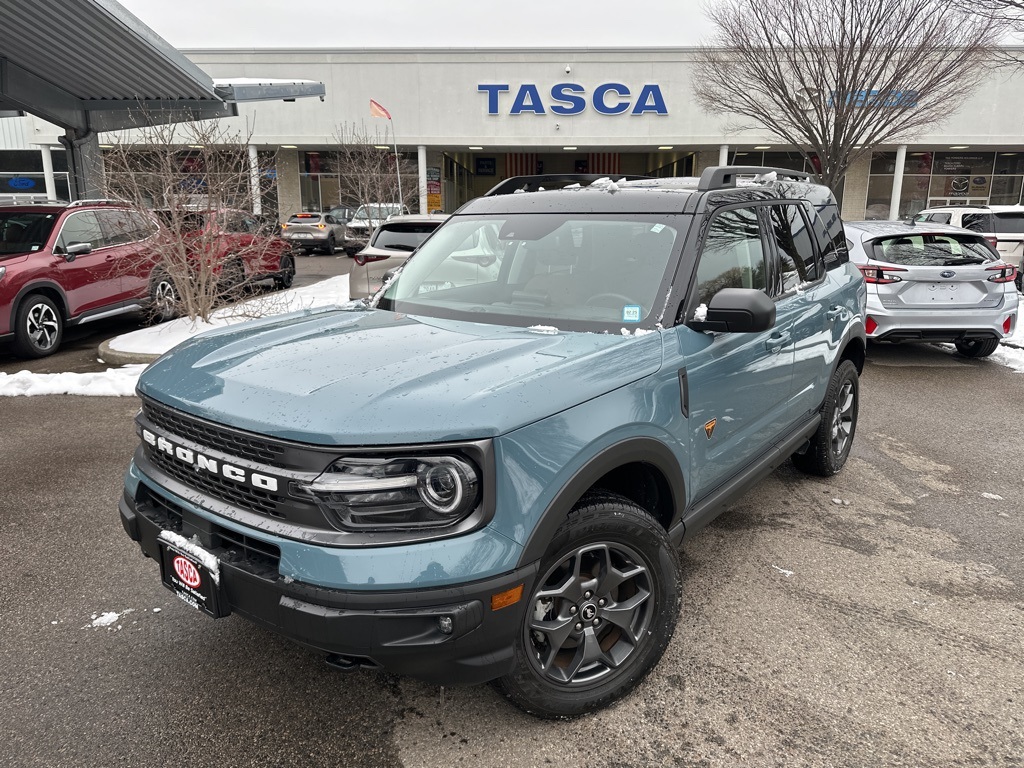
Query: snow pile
{"type": "Point", "coordinates": [160, 338]}
{"type": "Point", "coordinates": [107, 619]}
{"type": "Point", "coordinates": [114, 382]}
{"type": "Point", "coordinates": [545, 329]}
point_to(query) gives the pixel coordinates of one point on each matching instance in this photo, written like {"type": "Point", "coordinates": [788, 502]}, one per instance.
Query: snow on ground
{"type": "Point", "coordinates": [157, 339]}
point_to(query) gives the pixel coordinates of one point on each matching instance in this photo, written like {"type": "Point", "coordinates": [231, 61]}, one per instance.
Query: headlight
{"type": "Point", "coordinates": [370, 493]}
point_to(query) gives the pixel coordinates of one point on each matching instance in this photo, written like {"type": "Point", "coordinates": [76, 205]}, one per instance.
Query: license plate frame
{"type": "Point", "coordinates": [191, 581]}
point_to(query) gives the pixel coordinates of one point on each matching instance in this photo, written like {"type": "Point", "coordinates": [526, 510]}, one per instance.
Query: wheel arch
{"type": "Point", "coordinates": [641, 469]}
{"type": "Point", "coordinates": [49, 289]}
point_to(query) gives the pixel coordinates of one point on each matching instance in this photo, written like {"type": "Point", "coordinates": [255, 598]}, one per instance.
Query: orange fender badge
{"type": "Point", "coordinates": [709, 428]}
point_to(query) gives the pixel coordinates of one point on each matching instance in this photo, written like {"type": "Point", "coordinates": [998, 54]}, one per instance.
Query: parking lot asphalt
{"type": "Point", "coordinates": [871, 619]}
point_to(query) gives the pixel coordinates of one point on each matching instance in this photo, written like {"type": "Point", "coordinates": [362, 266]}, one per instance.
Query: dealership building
{"type": "Point", "coordinates": [468, 118]}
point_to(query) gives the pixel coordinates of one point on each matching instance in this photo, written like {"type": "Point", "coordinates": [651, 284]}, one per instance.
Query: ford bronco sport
{"type": "Point", "coordinates": [488, 479]}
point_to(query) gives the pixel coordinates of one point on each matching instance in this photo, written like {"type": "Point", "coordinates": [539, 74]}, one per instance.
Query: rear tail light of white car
{"type": "Point", "coordinates": [1007, 272]}
{"type": "Point", "coordinates": [994, 242]}
{"type": "Point", "coordinates": [880, 275]}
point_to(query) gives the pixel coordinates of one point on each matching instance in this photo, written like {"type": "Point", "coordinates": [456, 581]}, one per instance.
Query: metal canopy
{"type": "Point", "coordinates": [91, 66]}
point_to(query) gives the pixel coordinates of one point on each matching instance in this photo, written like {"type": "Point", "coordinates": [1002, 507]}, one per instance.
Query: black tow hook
{"type": "Point", "coordinates": [344, 663]}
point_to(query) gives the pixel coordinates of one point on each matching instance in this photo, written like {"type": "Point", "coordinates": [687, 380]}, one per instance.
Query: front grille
{"type": "Point", "coordinates": [229, 546]}
{"type": "Point", "coordinates": [239, 495]}
{"type": "Point", "coordinates": [251, 447]}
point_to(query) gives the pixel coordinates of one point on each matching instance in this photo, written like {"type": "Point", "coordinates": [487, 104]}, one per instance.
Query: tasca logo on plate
{"type": "Point", "coordinates": [186, 571]}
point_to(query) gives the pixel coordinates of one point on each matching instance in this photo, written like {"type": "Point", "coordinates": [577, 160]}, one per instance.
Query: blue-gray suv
{"type": "Point", "coordinates": [484, 472]}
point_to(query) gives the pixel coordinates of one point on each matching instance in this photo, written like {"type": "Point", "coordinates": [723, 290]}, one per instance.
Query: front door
{"type": "Point", "coordinates": [90, 280]}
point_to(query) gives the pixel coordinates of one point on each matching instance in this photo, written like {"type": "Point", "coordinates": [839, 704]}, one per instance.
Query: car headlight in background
{"type": "Point", "coordinates": [392, 493]}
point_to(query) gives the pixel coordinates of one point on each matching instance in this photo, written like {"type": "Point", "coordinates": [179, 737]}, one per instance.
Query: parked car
{"type": "Point", "coordinates": [932, 282]}
{"type": "Point", "coordinates": [312, 231]}
{"type": "Point", "coordinates": [1001, 225]}
{"type": "Point", "coordinates": [489, 480]}
{"type": "Point", "coordinates": [243, 247]}
{"type": "Point", "coordinates": [391, 243]}
{"type": "Point", "coordinates": [343, 213]}
{"type": "Point", "coordinates": [68, 263]}
{"type": "Point", "coordinates": [365, 220]}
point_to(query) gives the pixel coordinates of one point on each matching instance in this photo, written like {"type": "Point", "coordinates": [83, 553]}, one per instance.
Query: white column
{"type": "Point", "coordinates": [254, 180]}
{"type": "Point", "coordinates": [897, 182]}
{"type": "Point", "coordinates": [421, 161]}
{"type": "Point", "coordinates": [723, 154]}
{"type": "Point", "coordinates": [51, 186]}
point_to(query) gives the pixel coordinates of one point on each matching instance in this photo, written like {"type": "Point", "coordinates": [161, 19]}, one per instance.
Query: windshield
{"type": "Point", "coordinates": [380, 211]}
{"type": "Point", "coordinates": [599, 272]}
{"type": "Point", "coordinates": [933, 250]}
{"type": "Point", "coordinates": [22, 232]}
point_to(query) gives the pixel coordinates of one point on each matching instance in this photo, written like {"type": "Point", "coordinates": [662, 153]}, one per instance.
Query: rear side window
{"type": "Point", "coordinates": [978, 222]}
{"type": "Point", "coordinates": [118, 226]}
{"type": "Point", "coordinates": [733, 255]}
{"type": "Point", "coordinates": [81, 227]}
{"type": "Point", "coordinates": [1009, 223]}
{"type": "Point", "coordinates": [795, 244]}
{"type": "Point", "coordinates": [932, 250]}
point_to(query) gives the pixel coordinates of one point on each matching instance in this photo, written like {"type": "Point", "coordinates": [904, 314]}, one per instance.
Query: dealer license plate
{"type": "Point", "coordinates": [191, 581]}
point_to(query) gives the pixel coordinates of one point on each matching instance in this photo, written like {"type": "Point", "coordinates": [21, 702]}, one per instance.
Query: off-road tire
{"type": "Point", "coordinates": [830, 446]}
{"type": "Point", "coordinates": [38, 326]}
{"type": "Point", "coordinates": [977, 347]}
{"type": "Point", "coordinates": [606, 602]}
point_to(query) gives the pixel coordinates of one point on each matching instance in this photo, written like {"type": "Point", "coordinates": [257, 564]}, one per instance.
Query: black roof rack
{"type": "Point", "coordinates": [533, 183]}
{"type": "Point", "coordinates": [724, 176]}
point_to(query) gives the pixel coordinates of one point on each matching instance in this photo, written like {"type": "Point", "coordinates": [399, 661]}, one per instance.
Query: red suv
{"type": "Point", "coordinates": [65, 264]}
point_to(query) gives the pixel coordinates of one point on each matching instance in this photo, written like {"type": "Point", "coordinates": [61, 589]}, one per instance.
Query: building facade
{"type": "Point", "coordinates": [467, 118]}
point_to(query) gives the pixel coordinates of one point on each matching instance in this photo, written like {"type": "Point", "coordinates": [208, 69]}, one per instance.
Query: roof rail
{"type": "Point", "coordinates": [724, 176]}
{"type": "Point", "coordinates": [533, 183]}
{"type": "Point", "coordinates": [98, 201]}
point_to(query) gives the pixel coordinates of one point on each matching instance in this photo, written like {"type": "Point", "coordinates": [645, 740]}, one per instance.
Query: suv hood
{"type": "Point", "coordinates": [373, 377]}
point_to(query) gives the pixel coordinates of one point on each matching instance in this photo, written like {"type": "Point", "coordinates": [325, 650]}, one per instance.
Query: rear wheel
{"type": "Point", "coordinates": [232, 276]}
{"type": "Point", "coordinates": [329, 248]}
{"type": "Point", "coordinates": [831, 444]}
{"type": "Point", "coordinates": [977, 347]}
{"type": "Point", "coordinates": [286, 276]}
{"type": "Point", "coordinates": [39, 326]}
{"type": "Point", "coordinates": [601, 613]}
{"type": "Point", "coordinates": [163, 298]}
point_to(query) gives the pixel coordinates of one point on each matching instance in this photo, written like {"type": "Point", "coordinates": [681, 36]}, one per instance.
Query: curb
{"type": "Point", "coordinates": [116, 357]}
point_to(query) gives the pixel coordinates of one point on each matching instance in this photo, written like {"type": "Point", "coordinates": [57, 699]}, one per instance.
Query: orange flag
{"type": "Point", "coordinates": [376, 110]}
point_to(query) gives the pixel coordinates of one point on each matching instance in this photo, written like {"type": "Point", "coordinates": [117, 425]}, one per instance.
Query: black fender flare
{"type": "Point", "coordinates": [34, 287]}
{"type": "Point", "coordinates": [646, 450]}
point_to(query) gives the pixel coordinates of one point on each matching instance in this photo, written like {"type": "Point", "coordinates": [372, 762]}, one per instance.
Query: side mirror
{"type": "Point", "coordinates": [77, 249]}
{"type": "Point", "coordinates": [737, 310]}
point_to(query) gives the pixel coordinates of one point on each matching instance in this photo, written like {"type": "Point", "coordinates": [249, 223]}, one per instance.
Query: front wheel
{"type": "Point", "coordinates": [831, 444]}
{"type": "Point", "coordinates": [601, 614]}
{"type": "Point", "coordinates": [39, 326]}
{"type": "Point", "coordinates": [977, 347]}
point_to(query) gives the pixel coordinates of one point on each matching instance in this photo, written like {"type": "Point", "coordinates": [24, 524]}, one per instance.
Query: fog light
{"type": "Point", "coordinates": [444, 623]}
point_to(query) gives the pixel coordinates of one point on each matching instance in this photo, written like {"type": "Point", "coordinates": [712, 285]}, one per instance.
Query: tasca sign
{"type": "Point", "coordinates": [573, 99]}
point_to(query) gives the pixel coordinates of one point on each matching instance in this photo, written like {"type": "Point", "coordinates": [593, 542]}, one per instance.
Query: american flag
{"type": "Point", "coordinates": [604, 163]}
{"type": "Point", "coordinates": [520, 164]}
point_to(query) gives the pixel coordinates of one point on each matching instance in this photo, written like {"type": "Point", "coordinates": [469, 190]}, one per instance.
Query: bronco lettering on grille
{"type": "Point", "coordinates": [206, 464]}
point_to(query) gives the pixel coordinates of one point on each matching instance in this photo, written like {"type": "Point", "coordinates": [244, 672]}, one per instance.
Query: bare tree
{"type": "Point", "coordinates": [366, 168]}
{"type": "Point", "coordinates": [199, 182]}
{"type": "Point", "coordinates": [835, 78]}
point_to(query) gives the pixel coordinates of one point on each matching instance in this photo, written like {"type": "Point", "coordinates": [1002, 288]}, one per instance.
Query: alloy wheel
{"type": "Point", "coordinates": [42, 326]}
{"type": "Point", "coordinates": [842, 419]}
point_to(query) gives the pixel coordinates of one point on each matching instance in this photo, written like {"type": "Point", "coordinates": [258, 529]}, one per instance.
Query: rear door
{"type": "Point", "coordinates": [130, 254]}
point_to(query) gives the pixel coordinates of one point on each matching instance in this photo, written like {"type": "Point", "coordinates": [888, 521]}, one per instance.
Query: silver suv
{"type": "Point", "coordinates": [1001, 225]}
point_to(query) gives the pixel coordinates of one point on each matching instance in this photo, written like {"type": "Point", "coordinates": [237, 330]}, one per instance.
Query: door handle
{"type": "Point", "coordinates": [777, 341]}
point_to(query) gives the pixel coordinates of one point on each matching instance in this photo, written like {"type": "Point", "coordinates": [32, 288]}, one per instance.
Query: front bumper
{"type": "Point", "coordinates": [394, 630]}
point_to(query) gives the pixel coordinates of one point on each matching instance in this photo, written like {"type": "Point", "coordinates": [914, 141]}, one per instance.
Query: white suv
{"type": "Point", "coordinates": [1001, 225]}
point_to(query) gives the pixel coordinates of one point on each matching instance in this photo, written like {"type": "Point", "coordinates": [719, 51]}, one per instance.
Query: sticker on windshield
{"type": "Point", "coordinates": [631, 313]}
